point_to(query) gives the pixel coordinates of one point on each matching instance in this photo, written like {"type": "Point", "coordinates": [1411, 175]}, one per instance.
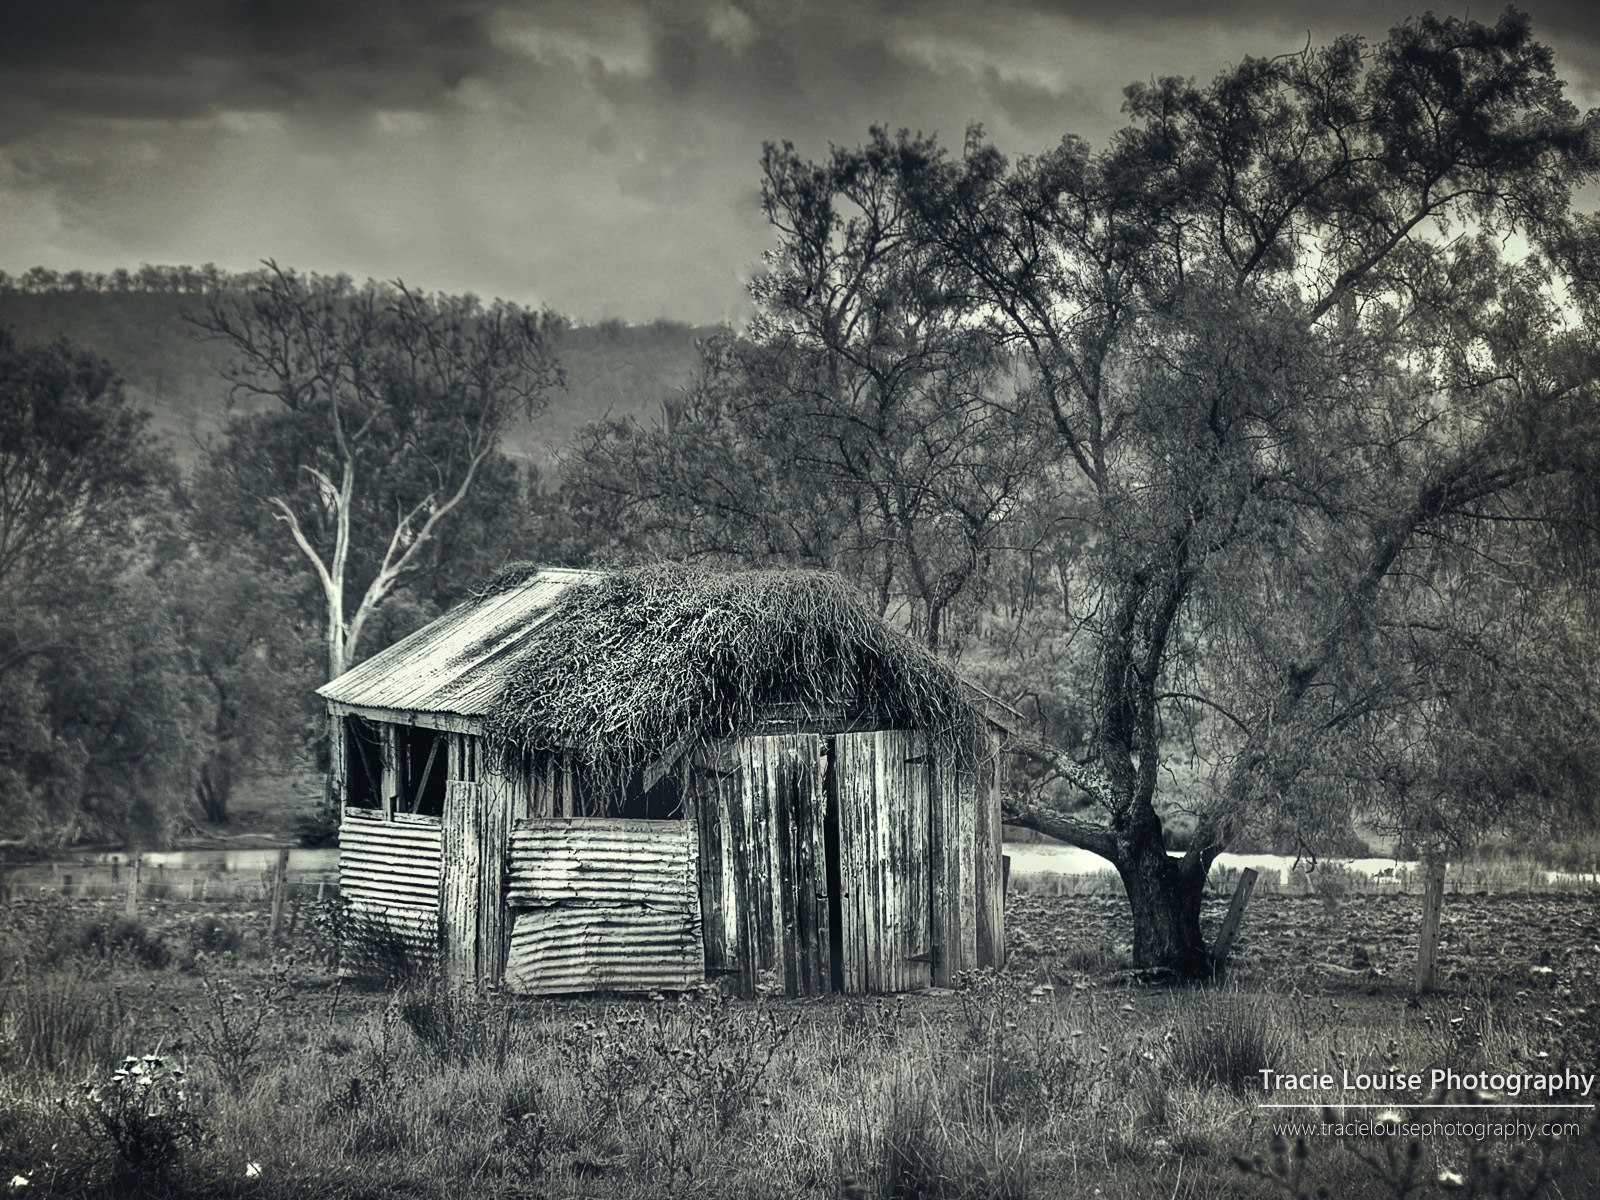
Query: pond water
{"type": "Point", "coordinates": [226, 860]}
{"type": "Point", "coordinates": [1027, 859]}
{"type": "Point", "coordinates": [1032, 858]}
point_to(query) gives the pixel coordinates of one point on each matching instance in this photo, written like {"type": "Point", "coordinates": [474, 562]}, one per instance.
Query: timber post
{"type": "Point", "coordinates": [131, 906]}
{"type": "Point", "coordinates": [1223, 944]}
{"type": "Point", "coordinates": [280, 884]}
{"type": "Point", "coordinates": [1428, 941]}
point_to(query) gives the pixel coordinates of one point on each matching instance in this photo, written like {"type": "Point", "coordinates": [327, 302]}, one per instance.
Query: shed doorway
{"type": "Point", "coordinates": [816, 858]}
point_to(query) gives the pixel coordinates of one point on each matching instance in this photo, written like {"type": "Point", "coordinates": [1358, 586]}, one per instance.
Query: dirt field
{"type": "Point", "coordinates": [1060, 1077]}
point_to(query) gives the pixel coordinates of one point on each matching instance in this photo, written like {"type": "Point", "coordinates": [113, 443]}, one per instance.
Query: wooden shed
{"type": "Point", "coordinates": [639, 780]}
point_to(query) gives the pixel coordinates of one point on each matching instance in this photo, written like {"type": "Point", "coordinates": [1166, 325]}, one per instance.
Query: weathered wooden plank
{"type": "Point", "coordinates": [494, 930]}
{"type": "Point", "coordinates": [1223, 945]}
{"type": "Point", "coordinates": [603, 828]}
{"type": "Point", "coordinates": [757, 802]}
{"type": "Point", "coordinates": [944, 917]}
{"type": "Point", "coordinates": [917, 770]}
{"type": "Point", "coordinates": [808, 857]}
{"type": "Point", "coordinates": [987, 887]}
{"type": "Point", "coordinates": [966, 862]}
{"type": "Point", "coordinates": [1426, 977]}
{"type": "Point", "coordinates": [458, 886]}
{"type": "Point", "coordinates": [882, 929]}
{"type": "Point", "coordinates": [854, 769]}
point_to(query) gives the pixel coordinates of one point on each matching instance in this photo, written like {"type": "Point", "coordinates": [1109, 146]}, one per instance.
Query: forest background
{"type": "Point", "coordinates": [1250, 458]}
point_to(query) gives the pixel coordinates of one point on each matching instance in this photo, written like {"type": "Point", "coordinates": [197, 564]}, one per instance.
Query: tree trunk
{"type": "Point", "coordinates": [1164, 893]}
{"type": "Point", "coordinates": [214, 786]}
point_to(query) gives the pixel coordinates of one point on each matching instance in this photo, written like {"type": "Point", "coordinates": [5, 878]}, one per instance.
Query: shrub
{"type": "Point", "coordinates": [144, 1112]}
{"type": "Point", "coordinates": [230, 1028]}
{"type": "Point", "coordinates": [1226, 1041]}
{"type": "Point", "coordinates": [211, 936]}
{"type": "Point", "coordinates": [124, 938]}
{"type": "Point", "coordinates": [459, 1024]}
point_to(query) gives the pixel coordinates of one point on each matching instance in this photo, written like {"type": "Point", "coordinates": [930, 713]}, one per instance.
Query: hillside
{"type": "Point", "coordinates": [611, 368]}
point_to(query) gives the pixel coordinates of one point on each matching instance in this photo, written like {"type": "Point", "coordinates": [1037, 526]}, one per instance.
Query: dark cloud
{"type": "Point", "coordinates": [600, 155]}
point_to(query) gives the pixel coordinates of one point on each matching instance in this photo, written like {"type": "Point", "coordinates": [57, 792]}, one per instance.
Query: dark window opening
{"type": "Point", "coordinates": [424, 766]}
{"type": "Point", "coordinates": [577, 792]}
{"type": "Point", "coordinates": [363, 763]}
{"type": "Point", "coordinates": [661, 802]}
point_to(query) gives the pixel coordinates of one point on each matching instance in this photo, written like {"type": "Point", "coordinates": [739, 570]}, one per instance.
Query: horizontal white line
{"type": "Point", "coordinates": [1404, 1104]}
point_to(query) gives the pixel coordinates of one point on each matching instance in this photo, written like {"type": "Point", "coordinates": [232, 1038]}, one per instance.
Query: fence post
{"type": "Point", "coordinates": [280, 883]}
{"type": "Point", "coordinates": [1231, 922]}
{"type": "Point", "coordinates": [1428, 942]}
{"type": "Point", "coordinates": [132, 906]}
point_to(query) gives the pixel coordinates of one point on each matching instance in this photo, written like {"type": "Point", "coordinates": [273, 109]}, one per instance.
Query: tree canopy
{"type": "Point", "coordinates": [1280, 407]}
{"type": "Point", "coordinates": [367, 416]}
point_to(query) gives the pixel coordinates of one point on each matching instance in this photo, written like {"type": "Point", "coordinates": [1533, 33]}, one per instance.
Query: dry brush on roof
{"type": "Point", "coordinates": [633, 664]}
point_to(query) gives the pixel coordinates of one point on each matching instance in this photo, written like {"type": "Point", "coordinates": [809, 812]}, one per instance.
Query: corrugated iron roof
{"type": "Point", "coordinates": [458, 664]}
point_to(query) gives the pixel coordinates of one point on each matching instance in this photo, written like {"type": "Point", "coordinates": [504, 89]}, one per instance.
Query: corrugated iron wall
{"type": "Point", "coordinates": [389, 872]}
{"type": "Point", "coordinates": [602, 904]}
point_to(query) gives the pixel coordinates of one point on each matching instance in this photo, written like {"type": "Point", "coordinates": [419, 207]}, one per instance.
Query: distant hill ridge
{"type": "Point", "coordinates": [134, 319]}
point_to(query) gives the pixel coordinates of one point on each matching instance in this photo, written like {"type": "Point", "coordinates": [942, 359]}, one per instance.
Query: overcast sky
{"type": "Point", "coordinates": [597, 156]}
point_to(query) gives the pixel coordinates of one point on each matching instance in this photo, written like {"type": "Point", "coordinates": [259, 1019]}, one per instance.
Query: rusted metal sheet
{"type": "Point", "coordinates": [389, 863]}
{"type": "Point", "coordinates": [459, 663]}
{"type": "Point", "coordinates": [389, 872]}
{"type": "Point", "coordinates": [602, 904]}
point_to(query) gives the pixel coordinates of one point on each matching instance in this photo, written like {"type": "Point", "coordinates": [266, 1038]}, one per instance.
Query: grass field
{"type": "Point", "coordinates": [269, 1077]}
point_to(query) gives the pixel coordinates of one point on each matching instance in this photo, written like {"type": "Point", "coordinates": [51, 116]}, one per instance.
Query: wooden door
{"type": "Point", "coordinates": [885, 860]}
{"type": "Point", "coordinates": [794, 770]}
{"type": "Point", "coordinates": [760, 811]}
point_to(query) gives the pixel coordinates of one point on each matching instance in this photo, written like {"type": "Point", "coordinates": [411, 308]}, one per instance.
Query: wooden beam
{"type": "Point", "coordinates": [443, 722]}
{"type": "Point", "coordinates": [416, 798]}
{"type": "Point", "coordinates": [1428, 941]}
{"type": "Point", "coordinates": [1223, 945]}
{"type": "Point", "coordinates": [280, 885]}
